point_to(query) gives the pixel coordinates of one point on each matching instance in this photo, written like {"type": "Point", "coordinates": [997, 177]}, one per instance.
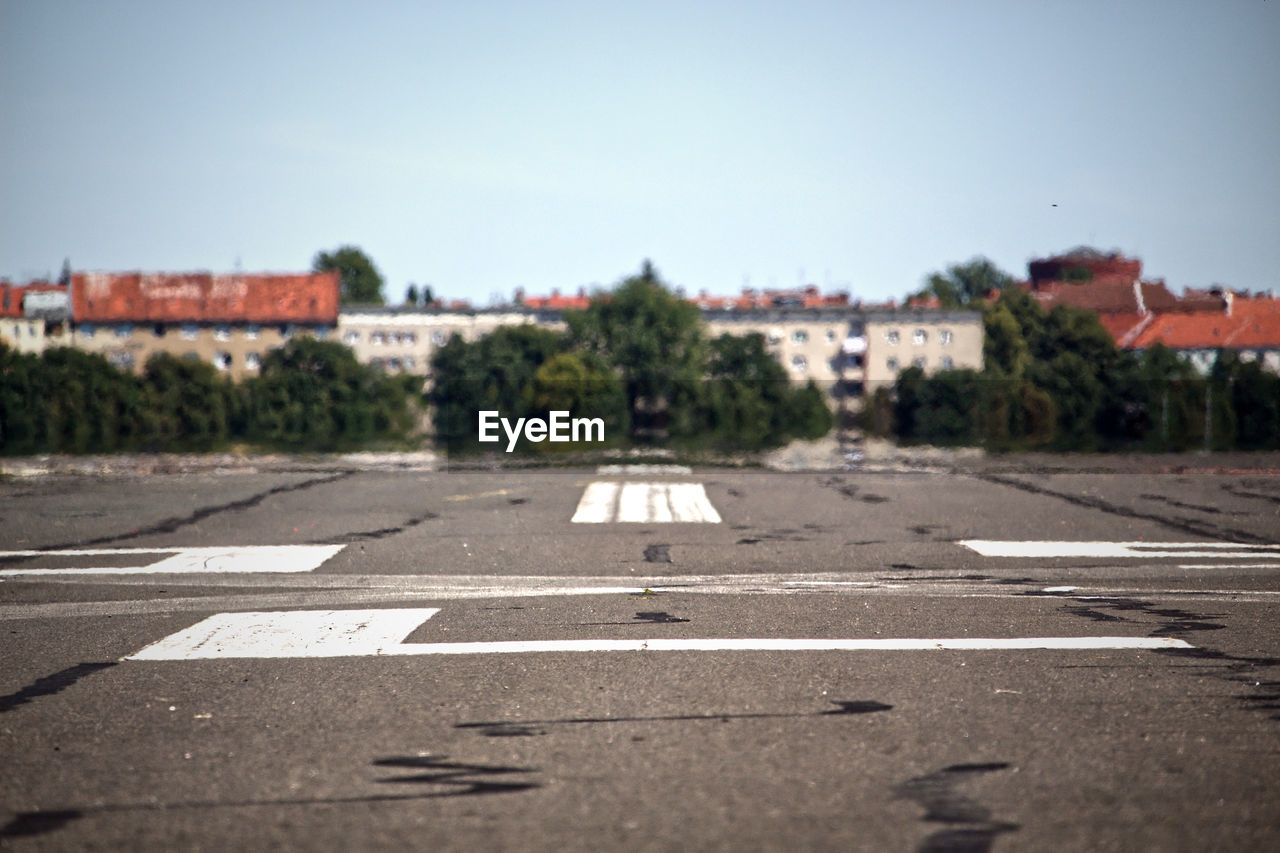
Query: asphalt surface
{"type": "Point", "coordinates": [463, 729]}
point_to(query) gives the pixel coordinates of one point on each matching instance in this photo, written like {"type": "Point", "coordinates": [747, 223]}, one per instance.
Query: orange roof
{"type": "Point", "coordinates": [205, 297]}
{"type": "Point", "coordinates": [1249, 324]}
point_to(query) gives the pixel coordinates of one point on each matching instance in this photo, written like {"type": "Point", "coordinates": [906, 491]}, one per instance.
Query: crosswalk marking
{"type": "Point", "coordinates": [240, 559]}
{"type": "Point", "coordinates": [645, 503]}
{"type": "Point", "coordinates": [367, 633]}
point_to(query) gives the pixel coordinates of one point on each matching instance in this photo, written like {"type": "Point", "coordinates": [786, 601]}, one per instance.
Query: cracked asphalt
{"type": "Point", "coordinates": [502, 744]}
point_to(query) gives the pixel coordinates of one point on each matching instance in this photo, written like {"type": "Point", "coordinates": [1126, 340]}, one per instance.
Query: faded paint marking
{"type": "Point", "coordinates": [236, 560]}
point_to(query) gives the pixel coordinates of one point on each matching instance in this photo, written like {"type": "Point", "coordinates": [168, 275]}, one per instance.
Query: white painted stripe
{"type": "Point", "coordinates": [634, 502]}
{"type": "Point", "coordinates": [1140, 550]}
{"type": "Point", "coordinates": [645, 503]}
{"type": "Point", "coordinates": [690, 503]}
{"type": "Point", "coordinates": [354, 633]}
{"type": "Point", "coordinates": [1275, 565]}
{"type": "Point", "coordinates": [791, 645]}
{"type": "Point", "coordinates": [238, 560]}
{"type": "Point", "coordinates": [597, 503]}
{"type": "Point", "coordinates": [643, 470]}
{"type": "Point", "coordinates": [291, 634]}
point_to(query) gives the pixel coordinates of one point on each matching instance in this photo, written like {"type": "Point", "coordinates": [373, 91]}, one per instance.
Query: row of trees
{"type": "Point", "coordinates": [1056, 380]}
{"type": "Point", "coordinates": [309, 395]}
{"type": "Point", "coordinates": [639, 358]}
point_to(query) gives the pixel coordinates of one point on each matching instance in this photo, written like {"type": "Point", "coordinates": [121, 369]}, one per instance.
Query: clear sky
{"type": "Point", "coordinates": [483, 146]}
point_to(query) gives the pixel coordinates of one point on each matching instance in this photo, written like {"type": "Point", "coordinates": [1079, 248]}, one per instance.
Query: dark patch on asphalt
{"type": "Point", "coordinates": [747, 542]}
{"type": "Point", "coordinates": [658, 617]}
{"type": "Point", "coordinates": [381, 533]}
{"type": "Point", "coordinates": [1173, 621]}
{"type": "Point", "coordinates": [177, 522]}
{"type": "Point", "coordinates": [524, 728]}
{"type": "Point", "coordinates": [1259, 674]}
{"type": "Point", "coordinates": [1241, 493]}
{"type": "Point", "coordinates": [657, 554]}
{"type": "Point", "coordinates": [924, 529]}
{"type": "Point", "coordinates": [873, 499]}
{"type": "Point", "coordinates": [867, 542]}
{"type": "Point", "coordinates": [847, 489]}
{"type": "Point", "coordinates": [902, 566]}
{"type": "Point", "coordinates": [1184, 525]}
{"type": "Point", "coordinates": [459, 778]}
{"type": "Point", "coordinates": [1212, 510]}
{"type": "Point", "coordinates": [517, 501]}
{"type": "Point", "coordinates": [445, 778]}
{"type": "Point", "coordinates": [51, 684]}
{"type": "Point", "coordinates": [780, 535]}
{"type": "Point", "coordinates": [27, 824]}
{"type": "Point", "coordinates": [975, 830]}
{"type": "Point", "coordinates": [858, 707]}
{"type": "Point", "coordinates": [734, 493]}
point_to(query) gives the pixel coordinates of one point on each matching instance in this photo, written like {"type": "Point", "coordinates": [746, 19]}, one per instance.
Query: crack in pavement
{"type": "Point", "coordinates": [174, 523]}
{"type": "Point", "coordinates": [1183, 525]}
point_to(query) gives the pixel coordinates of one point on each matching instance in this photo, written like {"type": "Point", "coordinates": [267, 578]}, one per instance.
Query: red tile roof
{"type": "Point", "coordinates": [1251, 323]}
{"type": "Point", "coordinates": [205, 297]}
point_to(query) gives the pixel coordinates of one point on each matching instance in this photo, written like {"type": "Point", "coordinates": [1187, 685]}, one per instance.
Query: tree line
{"type": "Point", "coordinates": [637, 357]}
{"type": "Point", "coordinates": [309, 395]}
{"type": "Point", "coordinates": [1055, 380]}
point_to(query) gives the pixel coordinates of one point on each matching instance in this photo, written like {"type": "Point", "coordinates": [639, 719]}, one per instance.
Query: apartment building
{"type": "Point", "coordinates": [33, 316]}
{"type": "Point", "coordinates": [402, 340]}
{"type": "Point", "coordinates": [928, 339]}
{"type": "Point", "coordinates": [229, 320]}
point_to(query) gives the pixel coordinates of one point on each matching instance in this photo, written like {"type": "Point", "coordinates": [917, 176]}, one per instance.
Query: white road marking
{"type": "Point", "coordinates": [365, 633]}
{"type": "Point", "coordinates": [643, 470]}
{"type": "Point", "coordinates": [236, 560]}
{"type": "Point", "coordinates": [597, 504]}
{"type": "Point", "coordinates": [1138, 550]}
{"type": "Point", "coordinates": [290, 634]}
{"type": "Point", "coordinates": [645, 503]}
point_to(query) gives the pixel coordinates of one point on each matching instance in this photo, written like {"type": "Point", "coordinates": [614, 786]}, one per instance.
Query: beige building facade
{"type": "Point", "coordinates": [929, 339]}
{"type": "Point", "coordinates": [403, 340]}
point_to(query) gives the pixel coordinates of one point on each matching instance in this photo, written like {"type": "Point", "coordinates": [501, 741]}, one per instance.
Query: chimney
{"type": "Point", "coordinates": [1228, 297]}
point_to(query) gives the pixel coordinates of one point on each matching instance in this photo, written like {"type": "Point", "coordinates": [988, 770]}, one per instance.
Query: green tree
{"type": "Point", "coordinates": [966, 284]}
{"type": "Point", "coordinates": [361, 281]}
{"type": "Point", "coordinates": [654, 340]}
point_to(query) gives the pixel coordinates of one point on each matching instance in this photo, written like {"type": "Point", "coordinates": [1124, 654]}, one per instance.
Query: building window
{"type": "Point", "coordinates": [253, 361]}
{"type": "Point", "coordinates": [122, 360]}
{"type": "Point", "coordinates": [351, 338]}
{"type": "Point", "coordinates": [158, 330]}
{"type": "Point", "coordinates": [831, 336]}
{"type": "Point", "coordinates": [408, 339]}
{"type": "Point", "coordinates": [190, 331]}
{"type": "Point", "coordinates": [799, 363]}
{"type": "Point", "coordinates": [918, 362]}
{"type": "Point", "coordinates": [222, 332]}
{"type": "Point", "coordinates": [222, 360]}
{"type": "Point", "coordinates": [800, 336]}
{"type": "Point", "coordinates": [437, 338]}
{"type": "Point", "coordinates": [945, 337]}
{"type": "Point", "coordinates": [322, 333]}
{"type": "Point", "coordinates": [891, 336]}
{"type": "Point", "coordinates": [377, 338]}
{"type": "Point", "coordinates": [393, 363]}
{"type": "Point", "coordinates": [408, 362]}
{"type": "Point", "coordinates": [774, 336]}
{"type": "Point", "coordinates": [88, 330]}
{"type": "Point", "coordinates": [947, 363]}
{"type": "Point", "coordinates": [891, 363]}
{"type": "Point", "coordinates": [251, 331]}
{"type": "Point", "coordinates": [286, 331]}
{"type": "Point", "coordinates": [919, 337]}
{"type": "Point", "coordinates": [376, 363]}
{"type": "Point", "coordinates": [123, 330]}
